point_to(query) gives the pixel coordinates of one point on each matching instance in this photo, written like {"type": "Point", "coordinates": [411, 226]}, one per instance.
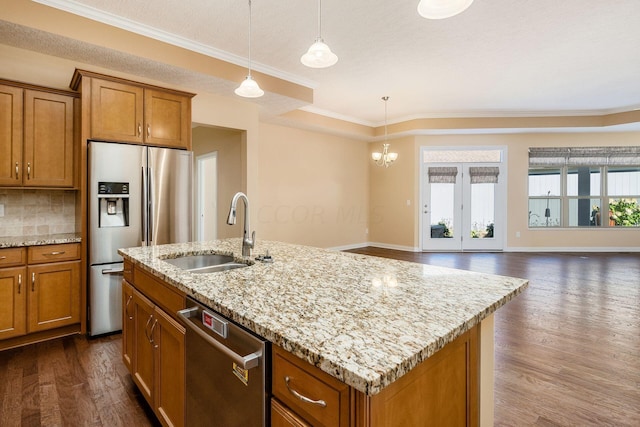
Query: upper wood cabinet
{"type": "Point", "coordinates": [36, 138]}
{"type": "Point", "coordinates": [126, 111]}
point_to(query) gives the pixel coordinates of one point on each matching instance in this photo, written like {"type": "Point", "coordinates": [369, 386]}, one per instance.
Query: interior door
{"type": "Point", "coordinates": [462, 206]}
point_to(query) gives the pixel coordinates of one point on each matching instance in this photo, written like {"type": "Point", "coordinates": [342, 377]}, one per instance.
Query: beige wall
{"type": "Point", "coordinates": [392, 193]}
{"type": "Point", "coordinates": [389, 228]}
{"type": "Point", "coordinates": [227, 143]}
{"type": "Point", "coordinates": [313, 187]}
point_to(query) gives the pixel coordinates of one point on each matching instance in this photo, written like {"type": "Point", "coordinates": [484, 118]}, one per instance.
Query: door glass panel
{"type": "Point", "coordinates": [482, 210]}
{"type": "Point", "coordinates": [442, 210]}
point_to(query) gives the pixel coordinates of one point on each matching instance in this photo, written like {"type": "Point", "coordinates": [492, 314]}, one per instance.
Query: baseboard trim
{"type": "Point", "coordinates": [581, 249]}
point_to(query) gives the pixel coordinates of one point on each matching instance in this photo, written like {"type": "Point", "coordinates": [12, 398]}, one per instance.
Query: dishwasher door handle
{"type": "Point", "coordinates": [246, 362]}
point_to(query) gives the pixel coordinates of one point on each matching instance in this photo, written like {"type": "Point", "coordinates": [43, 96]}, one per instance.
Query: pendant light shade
{"type": "Point", "coordinates": [385, 158]}
{"type": "Point", "coordinates": [440, 9]}
{"type": "Point", "coordinates": [319, 55]}
{"type": "Point", "coordinates": [249, 88]}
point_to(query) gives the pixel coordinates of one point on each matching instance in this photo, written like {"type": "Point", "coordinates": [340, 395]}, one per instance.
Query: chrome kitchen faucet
{"type": "Point", "coordinates": [247, 243]}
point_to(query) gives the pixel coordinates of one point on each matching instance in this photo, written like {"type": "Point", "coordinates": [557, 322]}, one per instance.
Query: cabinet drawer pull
{"type": "Point", "coordinates": [33, 282]}
{"type": "Point", "coordinates": [19, 282]}
{"type": "Point", "coordinates": [17, 170]}
{"type": "Point", "coordinates": [28, 170]}
{"type": "Point", "coordinates": [2, 257]}
{"type": "Point", "coordinates": [305, 399]}
{"type": "Point", "coordinates": [139, 129]}
{"type": "Point", "coordinates": [148, 131]}
{"type": "Point", "coordinates": [54, 253]}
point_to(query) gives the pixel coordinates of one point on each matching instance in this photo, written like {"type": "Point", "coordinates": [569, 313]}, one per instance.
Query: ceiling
{"type": "Point", "coordinates": [498, 58]}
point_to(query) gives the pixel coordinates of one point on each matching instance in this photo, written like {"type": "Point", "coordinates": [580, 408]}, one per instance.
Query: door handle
{"type": "Point", "coordinates": [148, 130]}
{"type": "Point", "coordinates": [3, 257]}
{"type": "Point", "coordinates": [146, 329]}
{"type": "Point", "coordinates": [16, 170]}
{"type": "Point", "coordinates": [143, 207]}
{"type": "Point", "coordinates": [28, 170]}
{"type": "Point", "coordinates": [126, 307]}
{"type": "Point", "coordinates": [19, 282]}
{"type": "Point", "coordinates": [305, 399]}
{"type": "Point", "coordinates": [113, 271]}
{"type": "Point", "coordinates": [33, 282]}
{"type": "Point", "coordinates": [150, 214]}
{"type": "Point", "coordinates": [55, 253]}
{"type": "Point", "coordinates": [139, 129]}
{"type": "Point", "coordinates": [245, 362]}
{"type": "Point", "coordinates": [153, 328]}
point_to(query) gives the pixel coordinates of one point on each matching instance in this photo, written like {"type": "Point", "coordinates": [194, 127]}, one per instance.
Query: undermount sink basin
{"type": "Point", "coordinates": [207, 263]}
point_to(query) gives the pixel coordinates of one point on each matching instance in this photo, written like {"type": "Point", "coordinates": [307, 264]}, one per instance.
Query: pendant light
{"type": "Point", "coordinates": [440, 9]}
{"type": "Point", "coordinates": [249, 88]}
{"type": "Point", "coordinates": [319, 55]}
{"type": "Point", "coordinates": [385, 158]}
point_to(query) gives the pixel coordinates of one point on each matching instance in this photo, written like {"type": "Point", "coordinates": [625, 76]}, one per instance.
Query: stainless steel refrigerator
{"type": "Point", "coordinates": [138, 196]}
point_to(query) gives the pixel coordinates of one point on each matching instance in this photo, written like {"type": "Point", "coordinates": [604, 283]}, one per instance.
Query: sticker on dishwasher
{"type": "Point", "coordinates": [242, 374]}
{"type": "Point", "coordinates": [207, 320]}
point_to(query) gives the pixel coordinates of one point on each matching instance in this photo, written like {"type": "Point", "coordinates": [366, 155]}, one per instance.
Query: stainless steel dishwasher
{"type": "Point", "coordinates": [227, 379]}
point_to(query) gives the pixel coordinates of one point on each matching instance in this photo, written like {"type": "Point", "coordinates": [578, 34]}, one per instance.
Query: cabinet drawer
{"type": "Point", "coordinates": [54, 253]}
{"type": "Point", "coordinates": [127, 271]}
{"type": "Point", "coordinates": [282, 416]}
{"type": "Point", "coordinates": [12, 257]}
{"type": "Point", "coordinates": [170, 300]}
{"type": "Point", "coordinates": [314, 395]}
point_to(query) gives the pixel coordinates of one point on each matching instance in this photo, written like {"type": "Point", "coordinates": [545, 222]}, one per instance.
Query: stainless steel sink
{"type": "Point", "coordinates": [206, 263]}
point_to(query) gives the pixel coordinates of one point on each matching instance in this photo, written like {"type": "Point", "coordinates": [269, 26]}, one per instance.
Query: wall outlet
{"type": "Point", "coordinates": [408, 202]}
{"type": "Point", "coordinates": [1, 210]}
{"type": "Point", "coordinates": [517, 234]}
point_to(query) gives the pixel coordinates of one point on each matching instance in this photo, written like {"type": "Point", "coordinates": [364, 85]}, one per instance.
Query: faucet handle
{"type": "Point", "coordinates": [253, 239]}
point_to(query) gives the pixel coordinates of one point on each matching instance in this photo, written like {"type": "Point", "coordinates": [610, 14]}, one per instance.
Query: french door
{"type": "Point", "coordinates": [462, 206]}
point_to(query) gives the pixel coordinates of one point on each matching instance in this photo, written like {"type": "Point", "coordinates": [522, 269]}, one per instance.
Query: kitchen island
{"type": "Point", "coordinates": [365, 321]}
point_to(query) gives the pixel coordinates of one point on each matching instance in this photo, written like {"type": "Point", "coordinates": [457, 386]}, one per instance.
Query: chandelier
{"type": "Point", "coordinates": [385, 158]}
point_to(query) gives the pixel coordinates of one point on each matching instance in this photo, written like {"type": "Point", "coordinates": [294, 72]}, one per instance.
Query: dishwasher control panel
{"type": "Point", "coordinates": [215, 323]}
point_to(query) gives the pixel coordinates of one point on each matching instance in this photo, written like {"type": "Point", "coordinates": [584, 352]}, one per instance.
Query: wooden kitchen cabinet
{"type": "Point", "coordinates": [13, 302]}
{"type": "Point", "coordinates": [39, 294]}
{"type": "Point", "coordinates": [441, 391]}
{"type": "Point", "coordinates": [154, 343]}
{"type": "Point", "coordinates": [11, 127]}
{"type": "Point", "coordinates": [36, 137]}
{"type": "Point", "coordinates": [127, 111]}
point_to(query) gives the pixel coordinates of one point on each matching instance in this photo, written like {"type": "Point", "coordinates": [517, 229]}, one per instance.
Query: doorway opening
{"type": "Point", "coordinates": [463, 194]}
{"type": "Point", "coordinates": [207, 196]}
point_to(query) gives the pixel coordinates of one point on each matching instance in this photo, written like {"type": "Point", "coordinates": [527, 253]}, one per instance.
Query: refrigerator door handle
{"type": "Point", "coordinates": [151, 211]}
{"type": "Point", "coordinates": [143, 209]}
{"type": "Point", "coordinates": [116, 271]}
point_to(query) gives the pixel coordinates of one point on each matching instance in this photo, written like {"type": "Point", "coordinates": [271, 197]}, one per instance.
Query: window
{"type": "Point", "coordinates": [568, 187]}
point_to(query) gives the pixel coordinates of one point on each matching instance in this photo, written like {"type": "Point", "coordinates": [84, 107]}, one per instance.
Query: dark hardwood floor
{"type": "Point", "coordinates": [567, 351]}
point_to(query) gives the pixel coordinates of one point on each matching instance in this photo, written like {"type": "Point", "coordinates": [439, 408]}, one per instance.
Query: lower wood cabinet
{"type": "Point", "coordinates": [153, 346]}
{"type": "Point", "coordinates": [40, 294]}
{"type": "Point", "coordinates": [441, 391]}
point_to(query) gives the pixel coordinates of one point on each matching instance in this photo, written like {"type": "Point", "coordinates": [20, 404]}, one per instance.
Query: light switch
{"type": "Point", "coordinates": [1, 210]}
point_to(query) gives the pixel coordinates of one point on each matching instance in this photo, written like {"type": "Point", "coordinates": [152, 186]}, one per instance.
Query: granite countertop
{"type": "Point", "coordinates": [362, 319]}
{"type": "Point", "coordinates": [49, 239]}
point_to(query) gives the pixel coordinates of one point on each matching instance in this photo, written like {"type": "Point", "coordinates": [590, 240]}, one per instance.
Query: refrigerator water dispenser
{"type": "Point", "coordinates": [113, 204]}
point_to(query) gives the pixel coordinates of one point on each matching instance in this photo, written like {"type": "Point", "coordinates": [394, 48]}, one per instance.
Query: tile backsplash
{"type": "Point", "coordinates": [37, 212]}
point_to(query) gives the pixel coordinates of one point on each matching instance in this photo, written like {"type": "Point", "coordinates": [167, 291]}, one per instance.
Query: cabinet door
{"type": "Point", "coordinates": [167, 119]}
{"type": "Point", "coordinates": [128, 324]}
{"type": "Point", "coordinates": [10, 135]}
{"type": "Point", "coordinates": [116, 111]}
{"type": "Point", "coordinates": [169, 339]}
{"type": "Point", "coordinates": [281, 416]}
{"type": "Point", "coordinates": [48, 140]}
{"type": "Point", "coordinates": [54, 295]}
{"type": "Point", "coordinates": [13, 315]}
{"type": "Point", "coordinates": [143, 351]}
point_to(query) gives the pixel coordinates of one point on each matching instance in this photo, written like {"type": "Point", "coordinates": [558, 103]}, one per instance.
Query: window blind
{"type": "Point", "coordinates": [484, 174]}
{"type": "Point", "coordinates": [443, 175]}
{"type": "Point", "coordinates": [584, 156]}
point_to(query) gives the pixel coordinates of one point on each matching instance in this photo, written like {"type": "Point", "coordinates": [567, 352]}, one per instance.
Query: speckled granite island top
{"type": "Point", "coordinates": [365, 320]}
{"type": "Point", "coordinates": [49, 239]}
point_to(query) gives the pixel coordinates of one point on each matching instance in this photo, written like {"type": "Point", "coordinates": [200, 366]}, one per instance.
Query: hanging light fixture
{"type": "Point", "coordinates": [249, 88]}
{"type": "Point", "coordinates": [319, 55]}
{"type": "Point", "coordinates": [440, 9]}
{"type": "Point", "coordinates": [385, 158]}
